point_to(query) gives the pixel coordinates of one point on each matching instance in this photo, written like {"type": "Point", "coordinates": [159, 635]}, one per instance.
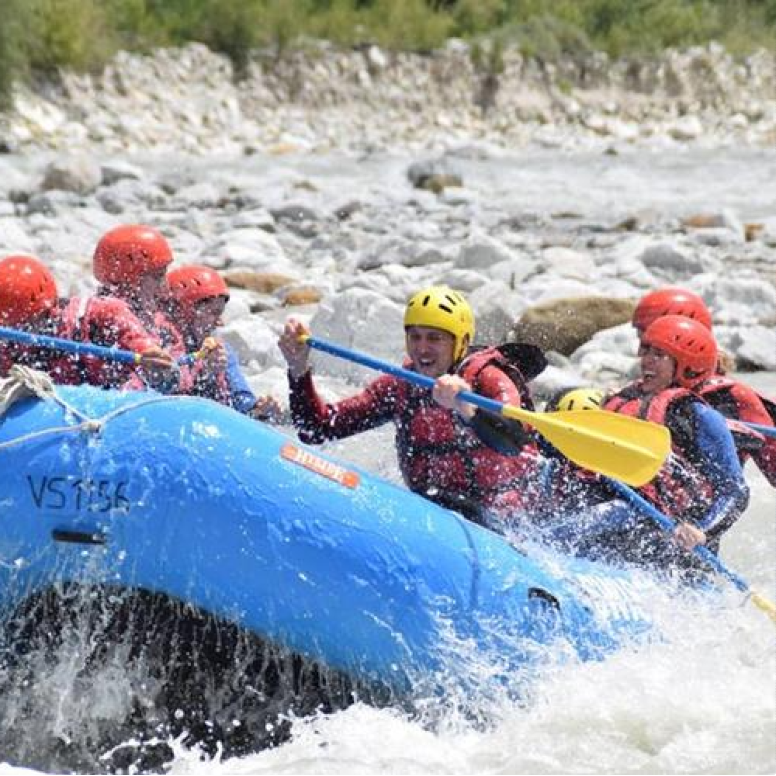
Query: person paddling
{"type": "Point", "coordinates": [198, 299]}
{"type": "Point", "coordinates": [439, 440]}
{"type": "Point", "coordinates": [29, 301]}
{"type": "Point", "coordinates": [732, 398]}
{"type": "Point", "coordinates": [566, 516]}
{"type": "Point", "coordinates": [130, 262]}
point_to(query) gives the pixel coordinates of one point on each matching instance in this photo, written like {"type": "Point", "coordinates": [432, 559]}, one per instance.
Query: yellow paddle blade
{"type": "Point", "coordinates": [628, 449]}
{"type": "Point", "coordinates": [764, 604]}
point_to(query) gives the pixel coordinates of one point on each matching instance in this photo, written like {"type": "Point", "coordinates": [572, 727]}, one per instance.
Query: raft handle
{"type": "Point", "coordinates": [77, 537]}
{"type": "Point", "coordinates": [549, 598]}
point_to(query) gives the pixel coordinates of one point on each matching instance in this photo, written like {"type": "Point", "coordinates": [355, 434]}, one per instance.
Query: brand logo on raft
{"type": "Point", "coordinates": [320, 466]}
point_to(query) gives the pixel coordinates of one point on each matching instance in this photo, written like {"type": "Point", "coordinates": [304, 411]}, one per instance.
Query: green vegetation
{"type": "Point", "coordinates": [44, 35]}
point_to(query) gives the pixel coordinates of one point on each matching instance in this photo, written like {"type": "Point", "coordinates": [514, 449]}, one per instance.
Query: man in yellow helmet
{"type": "Point", "coordinates": [575, 399]}
{"type": "Point", "coordinates": [448, 451]}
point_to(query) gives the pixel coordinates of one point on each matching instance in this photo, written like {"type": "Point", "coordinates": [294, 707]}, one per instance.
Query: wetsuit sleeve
{"type": "Point", "coordinates": [504, 435]}
{"type": "Point", "coordinates": [719, 459]}
{"type": "Point", "coordinates": [592, 522]}
{"type": "Point", "coordinates": [242, 397]}
{"type": "Point", "coordinates": [318, 421]}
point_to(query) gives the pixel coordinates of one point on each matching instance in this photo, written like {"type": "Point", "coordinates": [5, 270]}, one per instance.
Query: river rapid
{"type": "Point", "coordinates": [701, 699]}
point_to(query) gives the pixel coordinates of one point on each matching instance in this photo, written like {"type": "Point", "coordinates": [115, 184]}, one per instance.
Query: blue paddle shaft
{"type": "Point", "coordinates": [766, 430]}
{"type": "Point", "coordinates": [668, 525]}
{"type": "Point", "coordinates": [68, 346]}
{"type": "Point", "coordinates": [405, 374]}
{"type": "Point", "coordinates": [79, 348]}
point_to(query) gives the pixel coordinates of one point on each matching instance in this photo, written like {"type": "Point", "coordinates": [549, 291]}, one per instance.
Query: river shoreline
{"type": "Point", "coordinates": [323, 99]}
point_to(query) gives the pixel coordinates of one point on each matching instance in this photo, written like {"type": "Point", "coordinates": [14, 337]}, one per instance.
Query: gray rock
{"type": "Point", "coordinates": [79, 174]}
{"type": "Point", "coordinates": [117, 170]}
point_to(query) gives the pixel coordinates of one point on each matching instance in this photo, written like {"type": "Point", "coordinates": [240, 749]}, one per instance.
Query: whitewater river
{"type": "Point", "coordinates": [700, 700]}
{"type": "Point", "coordinates": [702, 697]}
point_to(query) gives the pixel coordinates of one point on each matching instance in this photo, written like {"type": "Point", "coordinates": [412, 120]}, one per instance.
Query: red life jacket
{"type": "Point", "coordinates": [104, 321]}
{"type": "Point", "coordinates": [75, 324]}
{"type": "Point", "coordinates": [169, 334]}
{"type": "Point", "coordinates": [680, 489]}
{"type": "Point", "coordinates": [438, 452]}
{"type": "Point", "coordinates": [472, 366]}
{"type": "Point", "coordinates": [13, 353]}
{"type": "Point", "coordinates": [172, 341]}
{"type": "Point", "coordinates": [29, 355]}
{"type": "Point", "coordinates": [739, 402]}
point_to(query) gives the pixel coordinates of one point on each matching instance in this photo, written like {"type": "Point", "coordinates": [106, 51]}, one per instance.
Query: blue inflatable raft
{"type": "Point", "coordinates": [189, 499]}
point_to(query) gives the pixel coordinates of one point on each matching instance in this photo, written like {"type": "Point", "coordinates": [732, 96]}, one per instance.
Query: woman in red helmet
{"type": "Point", "coordinates": [29, 301]}
{"type": "Point", "coordinates": [198, 297]}
{"type": "Point", "coordinates": [702, 485]}
{"type": "Point", "coordinates": [669, 301]}
{"type": "Point", "coordinates": [447, 452]}
{"type": "Point", "coordinates": [732, 398]}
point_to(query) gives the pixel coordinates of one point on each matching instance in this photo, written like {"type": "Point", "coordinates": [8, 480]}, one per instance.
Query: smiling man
{"type": "Point", "coordinates": [448, 451]}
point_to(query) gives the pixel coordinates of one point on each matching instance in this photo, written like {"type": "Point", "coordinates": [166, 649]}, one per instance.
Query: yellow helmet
{"type": "Point", "coordinates": [439, 307]}
{"type": "Point", "coordinates": [579, 399]}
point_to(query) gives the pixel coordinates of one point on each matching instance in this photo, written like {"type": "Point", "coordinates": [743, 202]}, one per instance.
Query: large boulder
{"type": "Point", "coordinates": [562, 325]}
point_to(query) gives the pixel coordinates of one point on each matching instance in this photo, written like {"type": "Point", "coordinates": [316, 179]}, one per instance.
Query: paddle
{"type": "Point", "coordinates": [704, 553]}
{"type": "Point", "coordinates": [80, 348]}
{"type": "Point", "coordinates": [766, 430]}
{"type": "Point", "coordinates": [626, 448]}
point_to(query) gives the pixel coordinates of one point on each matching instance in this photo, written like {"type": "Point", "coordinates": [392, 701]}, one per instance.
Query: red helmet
{"type": "Point", "coordinates": [126, 253]}
{"type": "Point", "coordinates": [670, 301]}
{"type": "Point", "coordinates": [689, 342]}
{"type": "Point", "coordinates": [27, 288]}
{"type": "Point", "coordinates": [189, 285]}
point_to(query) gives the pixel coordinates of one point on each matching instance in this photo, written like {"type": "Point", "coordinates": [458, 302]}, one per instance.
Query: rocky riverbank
{"type": "Point", "coordinates": [322, 99]}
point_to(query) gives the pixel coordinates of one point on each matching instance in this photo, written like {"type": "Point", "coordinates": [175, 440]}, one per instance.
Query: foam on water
{"type": "Point", "coordinates": [698, 697]}
{"type": "Point", "coordinates": [701, 698]}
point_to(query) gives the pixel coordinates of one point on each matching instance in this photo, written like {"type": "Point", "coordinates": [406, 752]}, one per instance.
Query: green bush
{"type": "Point", "coordinates": [340, 22]}
{"type": "Point", "coordinates": [407, 25]}
{"type": "Point", "coordinates": [12, 47]}
{"type": "Point", "coordinates": [647, 25]}
{"type": "Point", "coordinates": [548, 38]}
{"type": "Point", "coordinates": [233, 27]}
{"type": "Point", "coordinates": [68, 33]}
{"type": "Point", "coordinates": [48, 34]}
{"type": "Point", "coordinates": [135, 26]}
{"type": "Point", "coordinates": [488, 56]}
{"type": "Point", "coordinates": [475, 17]}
